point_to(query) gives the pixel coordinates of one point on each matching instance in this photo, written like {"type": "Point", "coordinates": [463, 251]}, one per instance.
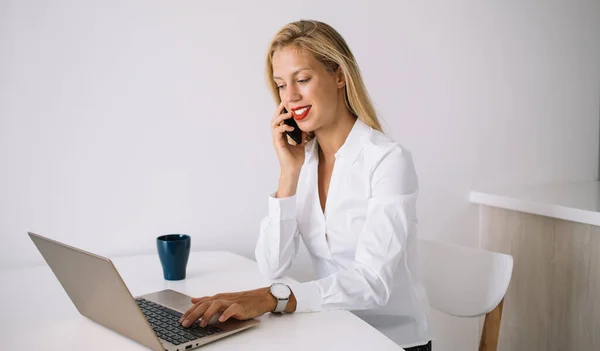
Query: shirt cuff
{"type": "Point", "coordinates": [308, 296]}
{"type": "Point", "coordinates": [282, 208]}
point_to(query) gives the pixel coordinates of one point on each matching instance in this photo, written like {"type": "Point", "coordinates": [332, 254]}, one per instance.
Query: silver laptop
{"type": "Point", "coordinates": [97, 290]}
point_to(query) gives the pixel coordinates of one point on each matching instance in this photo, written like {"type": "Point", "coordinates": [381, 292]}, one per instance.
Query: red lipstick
{"type": "Point", "coordinates": [304, 113]}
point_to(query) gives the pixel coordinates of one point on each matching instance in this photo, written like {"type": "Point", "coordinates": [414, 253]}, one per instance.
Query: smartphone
{"type": "Point", "coordinates": [295, 134]}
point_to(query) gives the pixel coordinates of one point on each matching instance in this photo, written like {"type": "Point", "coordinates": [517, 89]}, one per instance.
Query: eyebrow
{"type": "Point", "coordinates": [295, 72]}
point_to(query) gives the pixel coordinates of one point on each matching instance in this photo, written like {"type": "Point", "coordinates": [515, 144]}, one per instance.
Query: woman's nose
{"type": "Point", "coordinates": [292, 94]}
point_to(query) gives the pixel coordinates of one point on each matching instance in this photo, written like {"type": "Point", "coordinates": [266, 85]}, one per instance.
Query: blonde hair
{"type": "Point", "coordinates": [329, 48]}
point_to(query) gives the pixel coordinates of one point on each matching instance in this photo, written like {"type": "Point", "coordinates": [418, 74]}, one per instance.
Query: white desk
{"type": "Point", "coordinates": [36, 313]}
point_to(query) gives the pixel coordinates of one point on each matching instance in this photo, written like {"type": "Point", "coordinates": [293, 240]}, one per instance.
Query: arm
{"type": "Point", "coordinates": [279, 238]}
{"type": "Point", "coordinates": [275, 250]}
{"type": "Point", "coordinates": [391, 216]}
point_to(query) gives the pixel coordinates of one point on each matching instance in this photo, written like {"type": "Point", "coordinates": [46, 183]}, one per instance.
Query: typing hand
{"type": "Point", "coordinates": [239, 305]}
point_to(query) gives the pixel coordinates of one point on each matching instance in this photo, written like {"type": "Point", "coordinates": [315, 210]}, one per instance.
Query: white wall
{"type": "Point", "coordinates": [120, 121]}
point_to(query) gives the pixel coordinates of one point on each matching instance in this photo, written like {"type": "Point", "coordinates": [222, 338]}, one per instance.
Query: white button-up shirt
{"type": "Point", "coordinates": [363, 246]}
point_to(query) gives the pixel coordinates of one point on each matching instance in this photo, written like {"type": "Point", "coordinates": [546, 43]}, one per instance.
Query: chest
{"type": "Point", "coordinates": [323, 179]}
{"type": "Point", "coordinates": [333, 206]}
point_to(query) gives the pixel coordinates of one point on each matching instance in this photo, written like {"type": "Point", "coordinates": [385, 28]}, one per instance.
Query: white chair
{"type": "Point", "coordinates": [466, 282]}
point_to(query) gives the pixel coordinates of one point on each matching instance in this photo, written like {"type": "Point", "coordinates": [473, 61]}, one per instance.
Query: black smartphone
{"type": "Point", "coordinates": [295, 134]}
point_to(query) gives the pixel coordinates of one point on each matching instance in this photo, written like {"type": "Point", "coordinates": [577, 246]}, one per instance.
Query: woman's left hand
{"type": "Point", "coordinates": [239, 305]}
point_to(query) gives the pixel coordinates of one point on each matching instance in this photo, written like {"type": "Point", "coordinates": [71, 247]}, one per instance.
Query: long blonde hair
{"type": "Point", "coordinates": [329, 48]}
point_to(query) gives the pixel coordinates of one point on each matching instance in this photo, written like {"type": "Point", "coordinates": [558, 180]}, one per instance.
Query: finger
{"type": "Point", "coordinates": [279, 119]}
{"type": "Point", "coordinates": [216, 306]}
{"type": "Point", "coordinates": [196, 313]}
{"type": "Point", "coordinates": [220, 296]}
{"type": "Point", "coordinates": [187, 313]}
{"type": "Point", "coordinates": [199, 299]}
{"type": "Point", "coordinates": [235, 311]}
{"type": "Point", "coordinates": [280, 107]}
{"type": "Point", "coordinates": [278, 110]}
{"type": "Point", "coordinates": [284, 128]}
{"type": "Point", "coordinates": [280, 138]}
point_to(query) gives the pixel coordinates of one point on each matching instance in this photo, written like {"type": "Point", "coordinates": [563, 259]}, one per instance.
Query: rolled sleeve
{"type": "Point", "coordinates": [308, 296]}
{"type": "Point", "coordinates": [282, 208]}
{"type": "Point", "coordinates": [278, 241]}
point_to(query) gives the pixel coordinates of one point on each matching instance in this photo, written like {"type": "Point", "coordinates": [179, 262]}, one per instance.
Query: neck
{"type": "Point", "coordinates": [332, 137]}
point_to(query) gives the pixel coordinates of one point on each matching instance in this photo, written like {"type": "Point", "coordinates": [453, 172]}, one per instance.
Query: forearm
{"type": "Point", "coordinates": [288, 183]}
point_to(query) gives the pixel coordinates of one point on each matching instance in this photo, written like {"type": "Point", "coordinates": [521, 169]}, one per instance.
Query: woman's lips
{"type": "Point", "coordinates": [301, 112]}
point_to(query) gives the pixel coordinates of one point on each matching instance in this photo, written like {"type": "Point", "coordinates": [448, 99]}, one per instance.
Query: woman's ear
{"type": "Point", "coordinates": [340, 78]}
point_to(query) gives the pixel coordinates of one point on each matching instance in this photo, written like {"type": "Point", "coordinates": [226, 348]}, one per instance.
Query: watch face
{"type": "Point", "coordinates": [280, 291]}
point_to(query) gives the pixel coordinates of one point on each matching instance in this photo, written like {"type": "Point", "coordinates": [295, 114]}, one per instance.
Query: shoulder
{"type": "Point", "coordinates": [381, 150]}
{"type": "Point", "coordinates": [388, 158]}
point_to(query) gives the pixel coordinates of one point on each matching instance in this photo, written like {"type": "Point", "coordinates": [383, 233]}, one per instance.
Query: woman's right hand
{"type": "Point", "coordinates": [291, 157]}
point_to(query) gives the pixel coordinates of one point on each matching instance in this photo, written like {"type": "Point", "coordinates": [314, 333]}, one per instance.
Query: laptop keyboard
{"type": "Point", "coordinates": [165, 323]}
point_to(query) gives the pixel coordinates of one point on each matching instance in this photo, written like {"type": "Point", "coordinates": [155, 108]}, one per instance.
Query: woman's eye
{"type": "Point", "coordinates": [303, 80]}
{"type": "Point", "coordinates": [280, 87]}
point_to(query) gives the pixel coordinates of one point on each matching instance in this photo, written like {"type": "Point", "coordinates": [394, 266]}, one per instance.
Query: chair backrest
{"type": "Point", "coordinates": [463, 281]}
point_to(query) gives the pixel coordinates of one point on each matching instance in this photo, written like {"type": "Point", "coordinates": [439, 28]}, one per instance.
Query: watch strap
{"type": "Point", "coordinates": [281, 305]}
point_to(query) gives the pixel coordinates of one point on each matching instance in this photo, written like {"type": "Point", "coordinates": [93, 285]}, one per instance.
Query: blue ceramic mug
{"type": "Point", "coordinates": [174, 251]}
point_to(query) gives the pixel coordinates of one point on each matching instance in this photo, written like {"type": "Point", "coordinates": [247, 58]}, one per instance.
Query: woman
{"type": "Point", "coordinates": [347, 189]}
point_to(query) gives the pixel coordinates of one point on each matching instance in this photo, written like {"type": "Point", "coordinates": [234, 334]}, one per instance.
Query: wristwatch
{"type": "Point", "coordinates": [282, 293]}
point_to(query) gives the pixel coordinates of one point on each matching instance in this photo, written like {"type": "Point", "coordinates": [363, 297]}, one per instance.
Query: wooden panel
{"type": "Point", "coordinates": [553, 302]}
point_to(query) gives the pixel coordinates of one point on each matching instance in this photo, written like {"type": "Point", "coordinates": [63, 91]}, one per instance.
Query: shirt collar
{"type": "Point", "coordinates": [351, 147]}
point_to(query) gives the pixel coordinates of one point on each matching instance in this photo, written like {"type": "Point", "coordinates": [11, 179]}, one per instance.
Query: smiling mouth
{"type": "Point", "coordinates": [301, 113]}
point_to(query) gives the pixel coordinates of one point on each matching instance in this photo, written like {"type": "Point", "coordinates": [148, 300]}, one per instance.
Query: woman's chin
{"type": "Point", "coordinates": [306, 126]}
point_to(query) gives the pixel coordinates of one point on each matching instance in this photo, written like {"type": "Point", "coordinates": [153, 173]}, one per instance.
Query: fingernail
{"type": "Point", "coordinates": [186, 322]}
{"type": "Point", "coordinates": [203, 323]}
{"type": "Point", "coordinates": [222, 319]}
